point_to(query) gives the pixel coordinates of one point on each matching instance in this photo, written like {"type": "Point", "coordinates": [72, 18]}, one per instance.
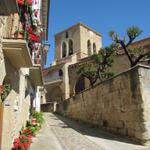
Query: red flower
{"type": "Point", "coordinates": [20, 145]}
{"type": "Point", "coordinates": [20, 2]}
{"type": "Point", "coordinates": [1, 89]}
{"type": "Point", "coordinates": [30, 30]}
{"type": "Point", "coordinates": [29, 2]}
{"type": "Point", "coordinates": [27, 131]}
{"type": "Point", "coordinates": [16, 140]}
{"type": "Point", "coordinates": [34, 38]}
{"type": "Point", "coordinates": [17, 143]}
{"type": "Point", "coordinates": [26, 145]}
{"type": "Point", "coordinates": [23, 141]}
{"type": "Point", "coordinates": [29, 139]}
{"type": "Point", "coordinates": [42, 34]}
{"type": "Point", "coordinates": [36, 13]}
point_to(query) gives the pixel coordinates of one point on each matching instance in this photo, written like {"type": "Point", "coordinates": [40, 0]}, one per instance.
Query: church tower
{"type": "Point", "coordinates": [71, 46]}
{"type": "Point", "coordinates": [77, 41]}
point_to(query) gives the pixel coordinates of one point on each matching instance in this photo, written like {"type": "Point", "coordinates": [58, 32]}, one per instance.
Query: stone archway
{"type": "Point", "coordinates": [80, 85]}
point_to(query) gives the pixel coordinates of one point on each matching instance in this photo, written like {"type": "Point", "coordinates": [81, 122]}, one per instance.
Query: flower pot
{"type": "Point", "coordinates": [18, 35]}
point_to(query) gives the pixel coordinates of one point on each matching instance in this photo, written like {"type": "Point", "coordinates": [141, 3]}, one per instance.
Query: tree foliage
{"type": "Point", "coordinates": [97, 68]}
{"type": "Point", "coordinates": [134, 54]}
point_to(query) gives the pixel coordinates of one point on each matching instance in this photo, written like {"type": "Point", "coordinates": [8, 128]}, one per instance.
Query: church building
{"type": "Point", "coordinates": [71, 46]}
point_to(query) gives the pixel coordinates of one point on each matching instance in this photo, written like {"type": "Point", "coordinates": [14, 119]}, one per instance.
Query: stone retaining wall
{"type": "Point", "coordinates": [120, 105]}
{"type": "Point", "coordinates": [47, 107]}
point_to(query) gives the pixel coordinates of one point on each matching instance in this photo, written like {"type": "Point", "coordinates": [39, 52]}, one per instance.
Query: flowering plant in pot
{"type": "Point", "coordinates": [32, 128]}
{"type": "Point", "coordinates": [19, 34]}
{"type": "Point", "coordinates": [22, 143]}
{"type": "Point", "coordinates": [38, 116]}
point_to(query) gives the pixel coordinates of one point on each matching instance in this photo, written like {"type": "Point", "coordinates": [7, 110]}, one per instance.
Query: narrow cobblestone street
{"type": "Point", "coordinates": [59, 133]}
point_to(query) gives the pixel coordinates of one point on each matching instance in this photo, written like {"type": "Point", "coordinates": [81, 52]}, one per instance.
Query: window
{"type": "Point", "coordinates": [70, 47]}
{"type": "Point", "coordinates": [89, 47]}
{"type": "Point", "coordinates": [67, 35]}
{"type": "Point", "coordinates": [64, 49]}
{"type": "Point", "coordinates": [94, 48]}
{"type": "Point", "coordinates": [60, 73]}
{"type": "Point", "coordinates": [80, 85]}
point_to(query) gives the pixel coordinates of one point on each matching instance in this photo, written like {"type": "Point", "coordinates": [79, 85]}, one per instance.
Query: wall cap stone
{"type": "Point", "coordinates": [115, 76]}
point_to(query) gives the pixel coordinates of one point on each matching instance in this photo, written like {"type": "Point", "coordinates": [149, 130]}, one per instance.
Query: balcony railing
{"type": "Point", "coordinates": [53, 77]}
{"type": "Point", "coordinates": [57, 80]}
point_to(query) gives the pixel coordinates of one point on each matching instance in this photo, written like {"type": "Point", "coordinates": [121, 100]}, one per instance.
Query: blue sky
{"type": "Point", "coordinates": [101, 15]}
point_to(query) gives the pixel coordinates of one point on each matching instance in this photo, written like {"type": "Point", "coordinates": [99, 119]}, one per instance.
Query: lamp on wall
{"type": "Point", "coordinates": [46, 46]}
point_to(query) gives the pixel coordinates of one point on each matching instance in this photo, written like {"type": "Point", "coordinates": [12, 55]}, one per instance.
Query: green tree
{"type": "Point", "coordinates": [134, 54]}
{"type": "Point", "coordinates": [97, 68]}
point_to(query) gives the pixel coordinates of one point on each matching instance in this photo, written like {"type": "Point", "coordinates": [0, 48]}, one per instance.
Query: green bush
{"type": "Point", "coordinates": [39, 116]}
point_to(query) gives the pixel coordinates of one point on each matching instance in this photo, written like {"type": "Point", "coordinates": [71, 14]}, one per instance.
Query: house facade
{"type": "Point", "coordinates": [23, 31]}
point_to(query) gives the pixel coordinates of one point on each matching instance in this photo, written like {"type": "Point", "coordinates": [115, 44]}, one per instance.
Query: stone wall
{"type": "Point", "coordinates": [14, 119]}
{"type": "Point", "coordinates": [48, 107]}
{"type": "Point", "coordinates": [85, 35]}
{"type": "Point", "coordinates": [119, 105]}
{"type": "Point", "coordinates": [15, 108]}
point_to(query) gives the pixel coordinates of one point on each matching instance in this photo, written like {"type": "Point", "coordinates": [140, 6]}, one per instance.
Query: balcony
{"type": "Point", "coordinates": [17, 52]}
{"type": "Point", "coordinates": [50, 84]}
{"type": "Point", "coordinates": [8, 6]}
{"type": "Point", "coordinates": [54, 75]}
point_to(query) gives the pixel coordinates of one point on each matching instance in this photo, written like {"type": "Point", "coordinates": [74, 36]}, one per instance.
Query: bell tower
{"type": "Point", "coordinates": [78, 40]}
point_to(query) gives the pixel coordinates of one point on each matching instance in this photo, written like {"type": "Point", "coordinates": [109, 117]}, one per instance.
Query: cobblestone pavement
{"type": "Point", "coordinates": [59, 133]}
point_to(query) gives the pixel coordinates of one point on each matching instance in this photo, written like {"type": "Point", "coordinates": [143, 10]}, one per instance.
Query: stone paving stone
{"type": "Point", "coordinates": [60, 133]}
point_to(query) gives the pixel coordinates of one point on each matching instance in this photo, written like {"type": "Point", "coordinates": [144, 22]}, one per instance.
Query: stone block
{"type": "Point", "coordinates": [123, 131]}
{"type": "Point", "coordinates": [131, 132]}
{"type": "Point", "coordinates": [112, 129]}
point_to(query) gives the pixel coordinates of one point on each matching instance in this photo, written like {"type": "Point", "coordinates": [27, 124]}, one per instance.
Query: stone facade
{"type": "Point", "coordinates": [60, 87]}
{"type": "Point", "coordinates": [121, 63]}
{"type": "Point", "coordinates": [119, 105]}
{"type": "Point", "coordinates": [83, 40]}
{"type": "Point", "coordinates": [79, 34]}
